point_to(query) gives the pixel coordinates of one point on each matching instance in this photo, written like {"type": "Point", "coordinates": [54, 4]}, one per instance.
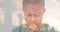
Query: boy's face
{"type": "Point", "coordinates": [33, 13]}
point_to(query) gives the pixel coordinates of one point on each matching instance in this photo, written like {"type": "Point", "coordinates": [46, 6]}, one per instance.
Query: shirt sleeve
{"type": "Point", "coordinates": [17, 29]}
{"type": "Point", "coordinates": [52, 30]}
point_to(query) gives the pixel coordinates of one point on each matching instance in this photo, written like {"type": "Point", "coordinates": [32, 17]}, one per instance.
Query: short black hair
{"type": "Point", "coordinates": [34, 1]}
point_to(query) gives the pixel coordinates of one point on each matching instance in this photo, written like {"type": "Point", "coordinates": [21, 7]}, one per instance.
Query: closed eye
{"type": "Point", "coordinates": [37, 15]}
{"type": "Point", "coordinates": [29, 15]}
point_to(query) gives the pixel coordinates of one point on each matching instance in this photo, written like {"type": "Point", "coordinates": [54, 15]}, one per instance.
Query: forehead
{"type": "Point", "coordinates": [32, 11]}
{"type": "Point", "coordinates": [36, 2]}
{"type": "Point", "coordinates": [32, 7]}
{"type": "Point", "coordinates": [35, 7]}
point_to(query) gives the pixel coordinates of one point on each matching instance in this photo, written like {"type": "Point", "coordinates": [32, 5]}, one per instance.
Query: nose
{"type": "Point", "coordinates": [32, 18]}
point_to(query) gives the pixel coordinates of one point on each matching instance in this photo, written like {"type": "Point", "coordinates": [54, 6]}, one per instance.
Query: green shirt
{"type": "Point", "coordinates": [23, 28]}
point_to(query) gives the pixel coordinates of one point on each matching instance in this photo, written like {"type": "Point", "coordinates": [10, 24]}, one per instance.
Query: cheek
{"type": "Point", "coordinates": [38, 20]}
{"type": "Point", "coordinates": [27, 19]}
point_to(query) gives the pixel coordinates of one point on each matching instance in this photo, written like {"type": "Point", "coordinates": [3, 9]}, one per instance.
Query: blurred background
{"type": "Point", "coordinates": [11, 14]}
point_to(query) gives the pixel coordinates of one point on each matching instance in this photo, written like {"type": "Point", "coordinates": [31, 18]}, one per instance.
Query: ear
{"type": "Point", "coordinates": [44, 10]}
